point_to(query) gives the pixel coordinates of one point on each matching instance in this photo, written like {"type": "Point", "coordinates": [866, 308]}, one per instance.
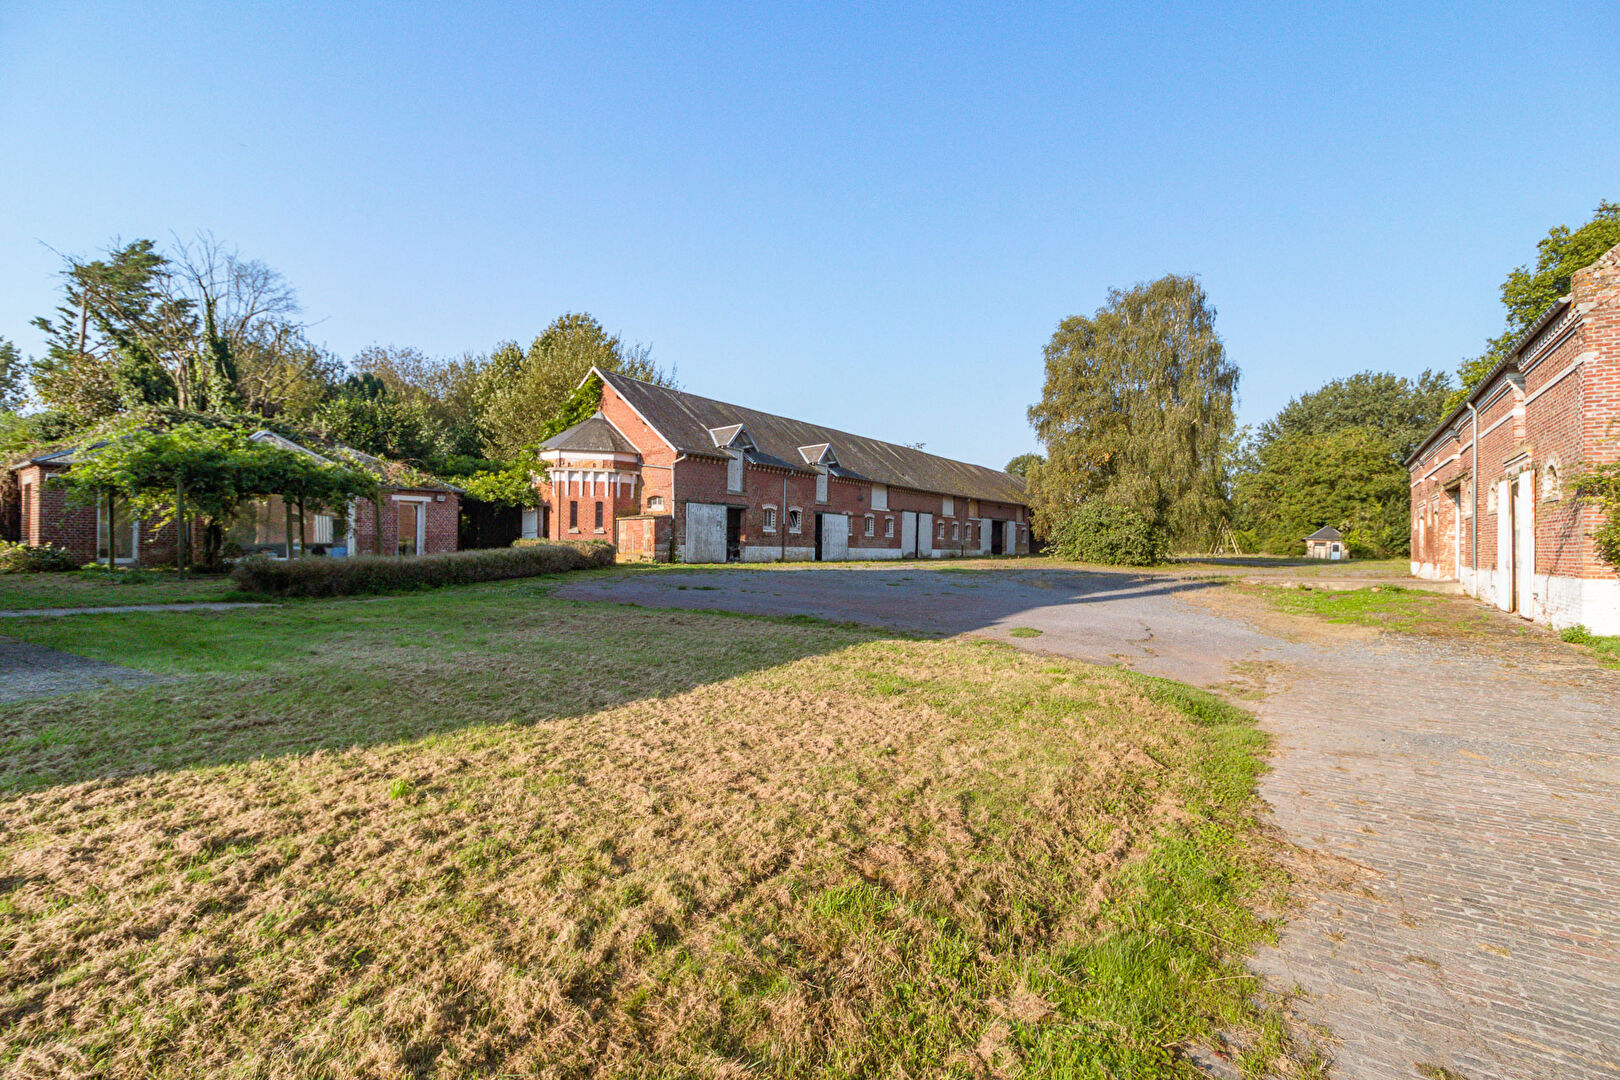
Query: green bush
{"type": "Point", "coordinates": [22, 559]}
{"type": "Point", "coordinates": [380, 573]}
{"type": "Point", "coordinates": [1097, 532]}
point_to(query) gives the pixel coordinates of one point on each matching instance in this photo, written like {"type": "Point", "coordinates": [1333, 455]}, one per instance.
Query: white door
{"type": "Point", "coordinates": [908, 534]}
{"type": "Point", "coordinates": [531, 524]}
{"type": "Point", "coordinates": [705, 532]}
{"type": "Point", "coordinates": [834, 536]}
{"type": "Point", "coordinates": [1504, 545]}
{"type": "Point", "coordinates": [925, 535]}
{"type": "Point", "coordinates": [985, 525]}
{"type": "Point", "coordinates": [1009, 546]}
{"type": "Point", "coordinates": [1524, 544]}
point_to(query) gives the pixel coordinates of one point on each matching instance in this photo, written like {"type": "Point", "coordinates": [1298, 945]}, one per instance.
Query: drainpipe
{"type": "Point", "coordinates": [1473, 495]}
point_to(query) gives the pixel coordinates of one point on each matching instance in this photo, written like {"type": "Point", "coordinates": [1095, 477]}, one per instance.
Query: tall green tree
{"type": "Point", "coordinates": [444, 392]}
{"type": "Point", "coordinates": [522, 390]}
{"type": "Point", "coordinates": [1529, 291]}
{"type": "Point", "coordinates": [1021, 465]}
{"type": "Point", "coordinates": [198, 328]}
{"type": "Point", "coordinates": [1350, 478]}
{"type": "Point", "coordinates": [1138, 409]}
{"type": "Point", "coordinates": [13, 377]}
{"type": "Point", "coordinates": [1401, 410]}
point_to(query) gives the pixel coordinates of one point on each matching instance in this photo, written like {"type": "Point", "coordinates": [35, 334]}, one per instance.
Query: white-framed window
{"type": "Point", "coordinates": [947, 506]}
{"type": "Point", "coordinates": [795, 518]}
{"type": "Point", "coordinates": [410, 524]}
{"type": "Point", "coordinates": [888, 527]}
{"type": "Point", "coordinates": [942, 530]}
{"type": "Point", "coordinates": [127, 530]}
{"type": "Point", "coordinates": [770, 519]}
{"type": "Point", "coordinates": [955, 531]}
{"type": "Point", "coordinates": [880, 496]}
{"type": "Point", "coordinates": [655, 503]}
{"type": "Point", "coordinates": [871, 525]}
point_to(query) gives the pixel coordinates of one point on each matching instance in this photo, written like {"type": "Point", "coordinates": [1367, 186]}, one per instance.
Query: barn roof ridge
{"type": "Point", "coordinates": [685, 420]}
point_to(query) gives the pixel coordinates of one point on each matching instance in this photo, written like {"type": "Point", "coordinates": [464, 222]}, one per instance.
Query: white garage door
{"type": "Point", "coordinates": [1010, 544]}
{"type": "Point", "coordinates": [705, 532]}
{"type": "Point", "coordinates": [834, 536]}
{"type": "Point", "coordinates": [985, 525]}
{"type": "Point", "coordinates": [908, 534]}
{"type": "Point", "coordinates": [925, 535]}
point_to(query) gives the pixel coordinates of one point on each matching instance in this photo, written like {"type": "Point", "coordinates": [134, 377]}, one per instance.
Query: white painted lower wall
{"type": "Point", "coordinates": [1560, 601]}
{"type": "Point", "coordinates": [1592, 602]}
{"type": "Point", "coordinates": [874, 553]}
{"type": "Point", "coordinates": [757, 553]}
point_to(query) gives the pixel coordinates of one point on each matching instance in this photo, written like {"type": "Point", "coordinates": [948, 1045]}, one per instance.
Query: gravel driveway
{"type": "Point", "coordinates": [1462, 794]}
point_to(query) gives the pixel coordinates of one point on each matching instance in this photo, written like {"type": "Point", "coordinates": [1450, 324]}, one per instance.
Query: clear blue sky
{"type": "Point", "coordinates": [869, 216]}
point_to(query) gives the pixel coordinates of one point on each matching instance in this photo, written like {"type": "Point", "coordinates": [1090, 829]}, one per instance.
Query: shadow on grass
{"type": "Point", "coordinates": [300, 677]}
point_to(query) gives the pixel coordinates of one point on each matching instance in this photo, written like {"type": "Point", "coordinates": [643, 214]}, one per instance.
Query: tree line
{"type": "Point", "coordinates": [1143, 454]}
{"type": "Point", "coordinates": [201, 330]}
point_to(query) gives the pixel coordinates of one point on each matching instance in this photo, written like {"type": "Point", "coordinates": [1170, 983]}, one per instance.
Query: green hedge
{"type": "Point", "coordinates": [22, 559]}
{"type": "Point", "coordinates": [380, 573]}
{"type": "Point", "coordinates": [1098, 532]}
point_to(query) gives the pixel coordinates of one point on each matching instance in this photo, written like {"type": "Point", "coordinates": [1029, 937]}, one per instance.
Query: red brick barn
{"type": "Point", "coordinates": [672, 476]}
{"type": "Point", "coordinates": [1491, 502]}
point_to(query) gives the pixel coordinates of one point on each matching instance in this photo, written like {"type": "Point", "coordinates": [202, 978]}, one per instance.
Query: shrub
{"type": "Point", "coordinates": [380, 573]}
{"type": "Point", "coordinates": [22, 559]}
{"type": "Point", "coordinates": [1095, 531]}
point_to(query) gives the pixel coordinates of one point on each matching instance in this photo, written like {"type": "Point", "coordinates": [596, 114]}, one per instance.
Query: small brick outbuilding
{"type": "Point", "coordinates": [1491, 503]}
{"type": "Point", "coordinates": [418, 515]}
{"type": "Point", "coordinates": [671, 476]}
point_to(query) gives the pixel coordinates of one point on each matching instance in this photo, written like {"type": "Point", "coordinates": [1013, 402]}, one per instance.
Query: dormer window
{"type": "Point", "coordinates": [732, 437]}
{"type": "Point", "coordinates": [819, 454]}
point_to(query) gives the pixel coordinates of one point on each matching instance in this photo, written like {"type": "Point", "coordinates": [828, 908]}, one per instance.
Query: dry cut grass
{"type": "Point", "coordinates": [487, 833]}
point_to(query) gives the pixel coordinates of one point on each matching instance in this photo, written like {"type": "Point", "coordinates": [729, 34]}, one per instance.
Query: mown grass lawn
{"type": "Point", "coordinates": [99, 588]}
{"type": "Point", "coordinates": [482, 831]}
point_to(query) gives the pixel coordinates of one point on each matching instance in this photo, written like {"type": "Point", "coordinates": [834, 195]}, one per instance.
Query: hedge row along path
{"type": "Point", "coordinates": [1452, 796]}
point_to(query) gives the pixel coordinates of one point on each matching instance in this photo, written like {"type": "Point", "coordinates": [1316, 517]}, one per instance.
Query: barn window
{"type": "Point", "coordinates": [821, 486]}
{"type": "Point", "coordinates": [880, 497]}
{"type": "Point", "coordinates": [1551, 488]}
{"type": "Point", "coordinates": [947, 506]}
{"type": "Point", "coordinates": [598, 517]}
{"type": "Point", "coordinates": [871, 525]}
{"type": "Point", "coordinates": [573, 515]}
{"type": "Point", "coordinates": [942, 530]}
{"type": "Point", "coordinates": [888, 527]}
{"type": "Point", "coordinates": [770, 519]}
{"type": "Point", "coordinates": [734, 472]}
{"type": "Point", "coordinates": [955, 534]}
{"type": "Point", "coordinates": [794, 517]}
{"type": "Point", "coordinates": [655, 502]}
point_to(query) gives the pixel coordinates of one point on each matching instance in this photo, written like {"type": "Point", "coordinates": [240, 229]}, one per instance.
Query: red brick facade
{"type": "Point", "coordinates": [644, 498]}
{"type": "Point", "coordinates": [1550, 409]}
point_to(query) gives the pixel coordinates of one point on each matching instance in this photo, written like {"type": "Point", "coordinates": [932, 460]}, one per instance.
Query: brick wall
{"type": "Point", "coordinates": [1558, 411]}
{"type": "Point", "coordinates": [441, 527]}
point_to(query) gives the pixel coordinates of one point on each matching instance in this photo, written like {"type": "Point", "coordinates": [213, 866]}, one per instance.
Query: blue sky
{"type": "Point", "coordinates": [869, 216]}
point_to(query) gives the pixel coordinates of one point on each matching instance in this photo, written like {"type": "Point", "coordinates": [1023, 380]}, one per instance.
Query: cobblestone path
{"type": "Point", "coordinates": [1479, 790]}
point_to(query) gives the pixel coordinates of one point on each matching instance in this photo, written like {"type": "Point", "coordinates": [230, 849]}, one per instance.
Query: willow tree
{"type": "Point", "coordinates": [1137, 410]}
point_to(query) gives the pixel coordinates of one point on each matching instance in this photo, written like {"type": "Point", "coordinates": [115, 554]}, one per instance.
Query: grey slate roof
{"type": "Point", "coordinates": [1326, 532]}
{"type": "Point", "coordinates": [591, 435]}
{"type": "Point", "coordinates": [686, 420]}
